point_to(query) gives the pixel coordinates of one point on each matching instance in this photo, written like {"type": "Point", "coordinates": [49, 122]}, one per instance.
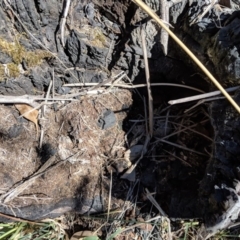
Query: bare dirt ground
{"type": "Point", "coordinates": [78, 159]}
{"type": "Point", "coordinates": [73, 134]}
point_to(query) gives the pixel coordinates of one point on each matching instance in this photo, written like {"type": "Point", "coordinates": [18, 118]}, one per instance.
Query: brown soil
{"type": "Point", "coordinates": [72, 135]}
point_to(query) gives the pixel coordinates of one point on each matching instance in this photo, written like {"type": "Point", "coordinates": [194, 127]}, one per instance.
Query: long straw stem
{"type": "Point", "coordinates": [152, 14]}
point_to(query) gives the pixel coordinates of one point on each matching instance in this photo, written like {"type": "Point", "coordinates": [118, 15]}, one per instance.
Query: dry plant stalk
{"type": "Point", "coordinates": [152, 14]}
{"type": "Point", "coordinates": [150, 98]}
{"type": "Point", "coordinates": [201, 96]}
{"type": "Point", "coordinates": [121, 85]}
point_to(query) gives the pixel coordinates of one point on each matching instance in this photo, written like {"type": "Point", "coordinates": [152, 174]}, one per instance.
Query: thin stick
{"type": "Point", "coordinates": [63, 21]}
{"type": "Point", "coordinates": [142, 120]}
{"type": "Point", "coordinates": [185, 162]}
{"type": "Point", "coordinates": [207, 9]}
{"type": "Point", "coordinates": [19, 187]}
{"type": "Point", "coordinates": [181, 130]}
{"type": "Point", "coordinates": [46, 99]}
{"type": "Point", "coordinates": [53, 86]}
{"type": "Point", "coordinates": [182, 147]}
{"type": "Point", "coordinates": [147, 75]}
{"type": "Point", "coordinates": [153, 201]}
{"type": "Point", "coordinates": [151, 13]}
{"type": "Point", "coordinates": [191, 129]}
{"type": "Point", "coordinates": [145, 115]}
{"type": "Point", "coordinates": [31, 100]}
{"type": "Point", "coordinates": [19, 219]}
{"type": "Point", "coordinates": [166, 122]}
{"type": "Point", "coordinates": [109, 196]}
{"type": "Point", "coordinates": [110, 80]}
{"type": "Point", "coordinates": [201, 96]}
{"type": "Point", "coordinates": [144, 149]}
{"type": "Point", "coordinates": [203, 101]}
{"type": "Point", "coordinates": [133, 86]}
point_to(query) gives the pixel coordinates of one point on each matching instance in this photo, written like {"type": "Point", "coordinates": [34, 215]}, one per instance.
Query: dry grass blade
{"type": "Point", "coordinates": [132, 86]}
{"type": "Point", "coordinates": [154, 202]}
{"type": "Point", "coordinates": [182, 147]}
{"type": "Point", "coordinates": [207, 9]}
{"type": "Point", "coordinates": [180, 159]}
{"type": "Point", "coordinates": [43, 113]}
{"type": "Point", "coordinates": [129, 172]}
{"type": "Point", "coordinates": [46, 99]}
{"type": "Point", "coordinates": [109, 197]}
{"type": "Point", "coordinates": [31, 99]}
{"type": "Point", "coordinates": [150, 98]}
{"type": "Point", "coordinates": [18, 219]}
{"type": "Point", "coordinates": [203, 101]}
{"type": "Point", "coordinates": [201, 96]}
{"type": "Point", "coordinates": [53, 85]}
{"type": "Point", "coordinates": [63, 21]}
{"type": "Point", "coordinates": [110, 80]}
{"type": "Point", "coordinates": [151, 13]}
{"type": "Point", "coordinates": [189, 128]}
{"type": "Point", "coordinates": [184, 129]}
{"type": "Point", "coordinates": [21, 186]}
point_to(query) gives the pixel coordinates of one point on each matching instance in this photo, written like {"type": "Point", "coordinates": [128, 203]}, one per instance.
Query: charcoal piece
{"type": "Point", "coordinates": [107, 119]}
{"type": "Point", "coordinates": [73, 48]}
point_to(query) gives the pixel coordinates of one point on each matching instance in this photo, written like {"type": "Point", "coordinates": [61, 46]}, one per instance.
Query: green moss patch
{"type": "Point", "coordinates": [18, 53]}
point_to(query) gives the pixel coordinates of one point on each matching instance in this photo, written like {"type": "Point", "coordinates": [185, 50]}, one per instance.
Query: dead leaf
{"type": "Point", "coordinates": [32, 116]}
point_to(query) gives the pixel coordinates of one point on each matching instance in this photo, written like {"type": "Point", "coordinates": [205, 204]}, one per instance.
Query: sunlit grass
{"type": "Point", "coordinates": [27, 231]}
